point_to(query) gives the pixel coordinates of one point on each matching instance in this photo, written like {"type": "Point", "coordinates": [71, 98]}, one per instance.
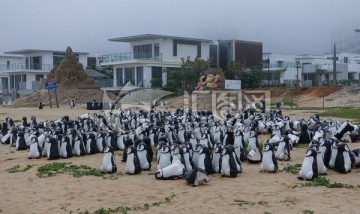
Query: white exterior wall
{"type": "Point", "coordinates": [83, 60]}
{"type": "Point", "coordinates": [29, 79]}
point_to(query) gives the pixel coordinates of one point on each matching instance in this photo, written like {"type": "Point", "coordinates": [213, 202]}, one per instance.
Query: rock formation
{"type": "Point", "coordinates": [70, 73]}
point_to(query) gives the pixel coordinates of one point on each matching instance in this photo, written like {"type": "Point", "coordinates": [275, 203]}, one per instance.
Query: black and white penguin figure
{"type": "Point", "coordinates": [177, 153]}
{"type": "Point", "coordinates": [41, 106]}
{"type": "Point", "coordinates": [120, 141]}
{"type": "Point", "coordinates": [187, 154]}
{"type": "Point", "coordinates": [100, 141]}
{"type": "Point", "coordinates": [128, 142]}
{"type": "Point", "coordinates": [205, 141]}
{"type": "Point", "coordinates": [181, 134]}
{"type": "Point", "coordinates": [35, 150]}
{"type": "Point", "coordinates": [216, 156]}
{"type": "Point", "coordinates": [149, 148]}
{"type": "Point", "coordinates": [196, 153]}
{"type": "Point", "coordinates": [79, 147]}
{"type": "Point", "coordinates": [343, 161]}
{"type": "Point", "coordinates": [229, 136]}
{"type": "Point", "coordinates": [197, 176]}
{"type": "Point", "coordinates": [204, 161]}
{"type": "Point", "coordinates": [305, 137]}
{"type": "Point", "coordinates": [174, 170]}
{"type": "Point", "coordinates": [65, 148]}
{"type": "Point", "coordinates": [325, 149]}
{"type": "Point", "coordinates": [144, 157]}
{"type": "Point", "coordinates": [319, 159]}
{"type": "Point", "coordinates": [218, 135]}
{"type": "Point", "coordinates": [334, 152]}
{"type": "Point", "coordinates": [72, 103]}
{"type": "Point", "coordinates": [91, 147]}
{"type": "Point", "coordinates": [20, 143]}
{"type": "Point", "coordinates": [283, 150]}
{"type": "Point", "coordinates": [6, 138]}
{"type": "Point", "coordinates": [268, 162]}
{"type": "Point", "coordinates": [255, 155]}
{"type": "Point", "coordinates": [228, 163]}
{"type": "Point", "coordinates": [309, 169]}
{"type": "Point", "coordinates": [108, 164]}
{"type": "Point", "coordinates": [253, 141]}
{"type": "Point", "coordinates": [193, 140]}
{"type": "Point", "coordinates": [132, 166]}
{"type": "Point", "coordinates": [46, 145]}
{"type": "Point", "coordinates": [355, 157]}
{"type": "Point", "coordinates": [165, 157]}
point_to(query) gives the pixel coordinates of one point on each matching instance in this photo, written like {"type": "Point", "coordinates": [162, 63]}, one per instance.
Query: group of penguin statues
{"type": "Point", "coordinates": [189, 144]}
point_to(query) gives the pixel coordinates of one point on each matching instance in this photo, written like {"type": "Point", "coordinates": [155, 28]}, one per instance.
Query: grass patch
{"type": "Point", "coordinates": [288, 202]}
{"type": "Point", "coordinates": [294, 169]}
{"type": "Point", "coordinates": [240, 202]}
{"type": "Point", "coordinates": [308, 212]}
{"type": "Point", "coordinates": [52, 169]}
{"type": "Point", "coordinates": [322, 181]}
{"type": "Point", "coordinates": [125, 209]}
{"type": "Point", "coordinates": [343, 112]}
{"type": "Point", "coordinates": [17, 168]}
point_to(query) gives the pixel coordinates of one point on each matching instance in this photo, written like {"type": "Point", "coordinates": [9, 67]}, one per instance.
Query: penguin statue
{"type": "Point", "coordinates": [108, 165]}
{"type": "Point", "coordinates": [187, 154]}
{"type": "Point", "coordinates": [269, 162]}
{"type": "Point", "coordinates": [65, 148]}
{"type": "Point", "coordinates": [204, 161]}
{"type": "Point", "coordinates": [216, 156]}
{"type": "Point", "coordinates": [283, 150]}
{"type": "Point", "coordinates": [228, 163]}
{"type": "Point", "coordinates": [132, 166]}
{"type": "Point", "coordinates": [197, 176]}
{"type": "Point", "coordinates": [91, 147]}
{"type": "Point", "coordinates": [165, 157]}
{"type": "Point", "coordinates": [319, 159]}
{"type": "Point", "coordinates": [144, 157]}
{"type": "Point", "coordinates": [309, 169]}
{"type": "Point", "coordinates": [79, 147]}
{"type": "Point", "coordinates": [172, 171]}
{"type": "Point", "coordinates": [72, 103]}
{"type": "Point", "coordinates": [35, 151]}
{"type": "Point", "coordinates": [343, 161]}
{"type": "Point", "coordinates": [20, 143]}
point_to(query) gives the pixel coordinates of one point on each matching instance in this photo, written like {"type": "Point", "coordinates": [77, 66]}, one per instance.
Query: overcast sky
{"type": "Point", "coordinates": [284, 26]}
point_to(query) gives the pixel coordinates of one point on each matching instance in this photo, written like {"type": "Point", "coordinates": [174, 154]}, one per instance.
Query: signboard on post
{"type": "Point", "coordinates": [50, 86]}
{"type": "Point", "coordinates": [233, 84]}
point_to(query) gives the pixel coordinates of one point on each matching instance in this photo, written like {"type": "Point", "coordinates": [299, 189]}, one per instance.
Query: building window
{"type": "Point", "coordinates": [130, 75]}
{"type": "Point", "coordinates": [142, 51]}
{"type": "Point", "coordinates": [7, 64]}
{"type": "Point", "coordinates": [156, 51]}
{"type": "Point", "coordinates": [24, 78]}
{"type": "Point", "coordinates": [139, 76]}
{"type": "Point", "coordinates": [156, 77]}
{"type": "Point", "coordinates": [186, 42]}
{"type": "Point", "coordinates": [39, 77]}
{"type": "Point", "coordinates": [119, 77]}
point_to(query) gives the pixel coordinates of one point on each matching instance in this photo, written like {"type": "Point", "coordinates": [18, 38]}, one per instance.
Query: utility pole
{"type": "Point", "coordinates": [334, 66]}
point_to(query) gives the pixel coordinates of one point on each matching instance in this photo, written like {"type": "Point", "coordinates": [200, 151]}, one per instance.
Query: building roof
{"type": "Point", "coordinates": [143, 37]}
{"type": "Point", "coordinates": [28, 51]}
{"type": "Point", "coordinates": [10, 56]}
{"type": "Point", "coordinates": [93, 73]}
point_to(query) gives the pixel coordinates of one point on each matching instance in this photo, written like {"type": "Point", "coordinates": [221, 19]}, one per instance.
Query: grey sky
{"type": "Point", "coordinates": [284, 26]}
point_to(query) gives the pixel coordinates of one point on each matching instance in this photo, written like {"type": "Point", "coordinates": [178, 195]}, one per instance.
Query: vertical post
{"type": "Point", "coordinates": [334, 66]}
{"type": "Point", "coordinates": [323, 102]}
{"type": "Point", "coordinates": [57, 103]}
{"type": "Point", "coordinates": [49, 98]}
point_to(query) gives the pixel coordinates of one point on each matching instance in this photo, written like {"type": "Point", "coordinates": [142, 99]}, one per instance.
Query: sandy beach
{"type": "Point", "coordinates": [251, 192]}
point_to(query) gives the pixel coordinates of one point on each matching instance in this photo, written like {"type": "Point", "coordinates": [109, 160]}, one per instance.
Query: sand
{"type": "Point", "coordinates": [25, 192]}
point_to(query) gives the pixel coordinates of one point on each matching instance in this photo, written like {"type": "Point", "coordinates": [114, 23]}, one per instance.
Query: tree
{"type": "Point", "coordinates": [234, 71]}
{"type": "Point", "coordinates": [107, 70]}
{"type": "Point", "coordinates": [186, 78]}
{"type": "Point", "coordinates": [279, 73]}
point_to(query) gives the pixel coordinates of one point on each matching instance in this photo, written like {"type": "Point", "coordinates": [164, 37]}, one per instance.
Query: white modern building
{"type": "Point", "coordinates": [150, 56]}
{"type": "Point", "coordinates": [310, 70]}
{"type": "Point", "coordinates": [22, 71]}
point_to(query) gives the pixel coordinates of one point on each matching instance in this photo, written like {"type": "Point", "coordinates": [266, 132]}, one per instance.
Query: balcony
{"type": "Point", "coordinates": [118, 57]}
{"type": "Point", "coordinates": [24, 67]}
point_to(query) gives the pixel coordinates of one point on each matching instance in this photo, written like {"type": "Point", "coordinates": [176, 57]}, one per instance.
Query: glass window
{"type": "Point", "coordinates": [24, 78]}
{"type": "Point", "coordinates": [130, 75]}
{"type": "Point", "coordinates": [156, 77]}
{"type": "Point", "coordinates": [39, 77]}
{"type": "Point", "coordinates": [142, 51]}
{"type": "Point", "coordinates": [119, 77]}
{"type": "Point", "coordinates": [139, 76]}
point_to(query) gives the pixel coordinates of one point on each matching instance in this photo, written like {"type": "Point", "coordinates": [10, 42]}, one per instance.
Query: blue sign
{"type": "Point", "coordinates": [50, 86]}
